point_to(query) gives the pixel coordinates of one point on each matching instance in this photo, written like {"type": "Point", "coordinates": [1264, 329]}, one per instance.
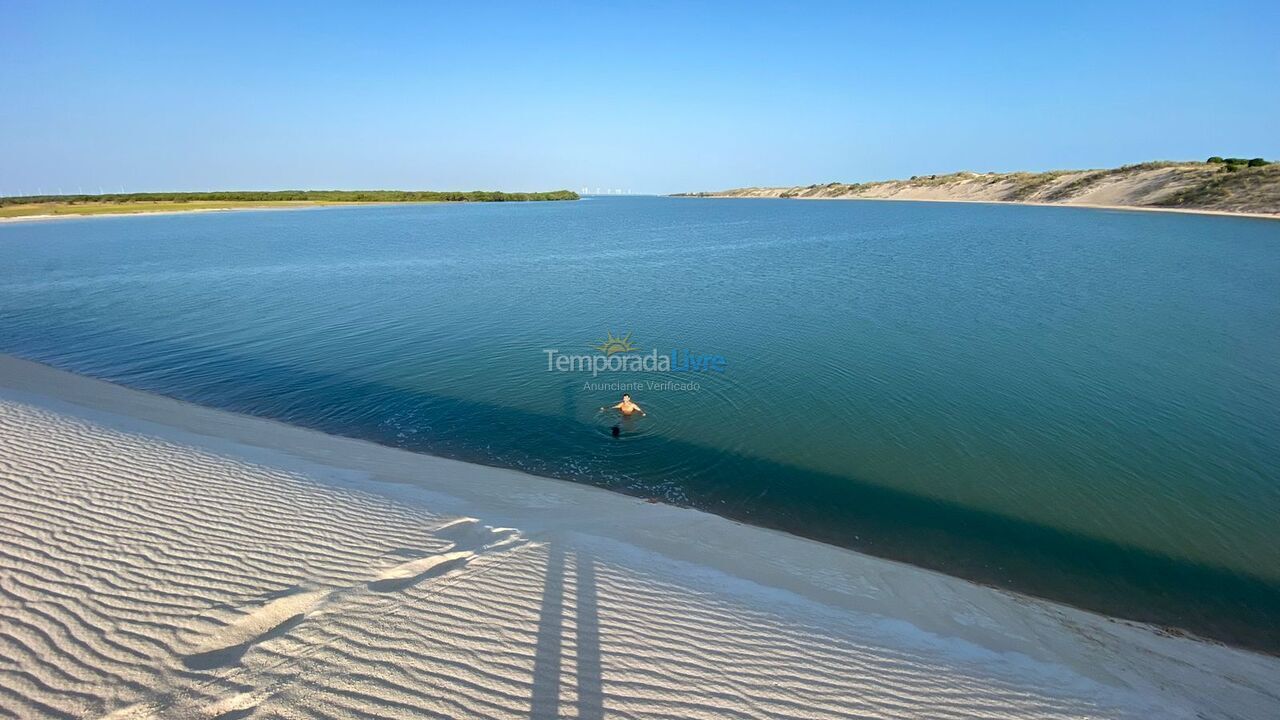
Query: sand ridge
{"type": "Point", "coordinates": [159, 560]}
{"type": "Point", "coordinates": [1190, 187]}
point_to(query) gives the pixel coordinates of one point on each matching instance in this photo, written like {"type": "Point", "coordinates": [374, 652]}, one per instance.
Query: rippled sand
{"type": "Point", "coordinates": [159, 559]}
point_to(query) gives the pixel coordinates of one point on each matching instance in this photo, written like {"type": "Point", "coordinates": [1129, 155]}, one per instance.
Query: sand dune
{"type": "Point", "coordinates": [159, 560]}
{"type": "Point", "coordinates": [1177, 187]}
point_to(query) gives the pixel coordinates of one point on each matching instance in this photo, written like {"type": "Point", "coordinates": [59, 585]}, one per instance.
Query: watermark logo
{"type": "Point", "coordinates": [612, 345]}
{"type": "Point", "coordinates": [620, 354]}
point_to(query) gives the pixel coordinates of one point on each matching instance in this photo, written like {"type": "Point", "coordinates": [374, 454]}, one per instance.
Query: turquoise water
{"type": "Point", "coordinates": [1079, 404]}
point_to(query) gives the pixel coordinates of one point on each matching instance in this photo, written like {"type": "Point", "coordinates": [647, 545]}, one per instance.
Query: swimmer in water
{"type": "Point", "coordinates": [627, 407]}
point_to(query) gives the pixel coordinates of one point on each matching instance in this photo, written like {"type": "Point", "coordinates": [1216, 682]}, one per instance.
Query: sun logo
{"type": "Point", "coordinates": [612, 345]}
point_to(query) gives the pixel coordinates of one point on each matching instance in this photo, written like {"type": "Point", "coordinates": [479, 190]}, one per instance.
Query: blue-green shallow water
{"type": "Point", "coordinates": [1079, 404]}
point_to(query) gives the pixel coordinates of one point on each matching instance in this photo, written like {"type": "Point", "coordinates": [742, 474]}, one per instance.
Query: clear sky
{"type": "Point", "coordinates": [645, 96]}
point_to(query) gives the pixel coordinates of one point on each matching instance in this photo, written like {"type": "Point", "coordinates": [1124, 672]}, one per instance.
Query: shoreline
{"type": "Point", "coordinates": [300, 206]}
{"type": "Point", "coordinates": [1138, 669]}
{"type": "Point", "coordinates": [1087, 206]}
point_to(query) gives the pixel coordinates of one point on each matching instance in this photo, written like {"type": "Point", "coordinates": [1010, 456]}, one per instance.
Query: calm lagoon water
{"type": "Point", "coordinates": [1079, 404]}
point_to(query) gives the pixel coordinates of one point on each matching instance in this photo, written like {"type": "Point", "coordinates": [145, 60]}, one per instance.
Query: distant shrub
{"type": "Point", "coordinates": [296, 195]}
{"type": "Point", "coordinates": [1258, 162]}
{"type": "Point", "coordinates": [1215, 159]}
{"type": "Point", "coordinates": [1232, 167]}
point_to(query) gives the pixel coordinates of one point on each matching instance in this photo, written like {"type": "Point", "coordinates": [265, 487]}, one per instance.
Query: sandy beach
{"type": "Point", "coordinates": [201, 210]}
{"type": "Point", "coordinates": [1087, 206]}
{"type": "Point", "coordinates": [1093, 206]}
{"type": "Point", "coordinates": [1090, 206]}
{"type": "Point", "coordinates": [163, 560]}
{"type": "Point", "coordinates": [75, 216]}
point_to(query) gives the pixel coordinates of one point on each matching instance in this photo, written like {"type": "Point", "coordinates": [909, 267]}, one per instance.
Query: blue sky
{"type": "Point", "coordinates": [650, 97]}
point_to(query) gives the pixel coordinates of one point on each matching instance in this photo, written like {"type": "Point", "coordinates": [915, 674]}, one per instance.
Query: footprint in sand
{"type": "Point", "coordinates": [139, 711]}
{"type": "Point", "coordinates": [236, 706]}
{"type": "Point", "coordinates": [283, 611]}
{"type": "Point", "coordinates": [469, 539]}
{"type": "Point", "coordinates": [275, 618]}
{"type": "Point", "coordinates": [406, 574]}
{"type": "Point", "coordinates": [469, 534]}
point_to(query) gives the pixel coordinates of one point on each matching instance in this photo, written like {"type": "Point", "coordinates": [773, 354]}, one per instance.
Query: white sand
{"type": "Point", "coordinates": [1073, 204]}
{"type": "Point", "coordinates": [1138, 188]}
{"type": "Point", "coordinates": [159, 559]}
{"type": "Point", "coordinates": [190, 211]}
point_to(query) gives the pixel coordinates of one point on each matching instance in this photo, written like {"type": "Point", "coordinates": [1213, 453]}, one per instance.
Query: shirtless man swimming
{"type": "Point", "coordinates": [627, 407]}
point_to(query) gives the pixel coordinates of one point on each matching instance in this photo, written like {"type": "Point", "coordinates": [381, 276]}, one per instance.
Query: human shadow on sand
{"type": "Point", "coordinates": [223, 657]}
{"type": "Point", "coordinates": [978, 544]}
{"type": "Point", "coordinates": [548, 670]}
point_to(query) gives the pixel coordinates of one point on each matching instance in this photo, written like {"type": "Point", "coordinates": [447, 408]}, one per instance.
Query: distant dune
{"type": "Point", "coordinates": [1227, 187]}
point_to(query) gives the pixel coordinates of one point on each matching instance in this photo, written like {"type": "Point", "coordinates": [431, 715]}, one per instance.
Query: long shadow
{"type": "Point", "coordinates": [1125, 581]}
{"type": "Point", "coordinates": [587, 628]}
{"type": "Point", "coordinates": [545, 698]}
{"type": "Point", "coordinates": [549, 649]}
{"type": "Point", "coordinates": [398, 584]}
{"type": "Point", "coordinates": [223, 657]}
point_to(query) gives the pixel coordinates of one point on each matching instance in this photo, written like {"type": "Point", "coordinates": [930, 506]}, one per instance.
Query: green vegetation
{"type": "Point", "coordinates": [1076, 186]}
{"type": "Point", "coordinates": [1028, 184]}
{"type": "Point", "coordinates": [117, 204]}
{"type": "Point", "coordinates": [1232, 161]}
{"type": "Point", "coordinates": [826, 190]}
{"type": "Point", "coordinates": [326, 196]}
{"type": "Point", "coordinates": [1240, 186]}
{"type": "Point", "coordinates": [932, 180]}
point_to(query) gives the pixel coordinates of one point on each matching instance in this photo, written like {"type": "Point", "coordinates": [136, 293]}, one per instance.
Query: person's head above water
{"type": "Point", "coordinates": [626, 397]}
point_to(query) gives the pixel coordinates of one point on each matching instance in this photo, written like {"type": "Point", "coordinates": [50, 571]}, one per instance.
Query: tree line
{"type": "Point", "coordinates": [1233, 163]}
{"type": "Point", "coordinates": [301, 195]}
